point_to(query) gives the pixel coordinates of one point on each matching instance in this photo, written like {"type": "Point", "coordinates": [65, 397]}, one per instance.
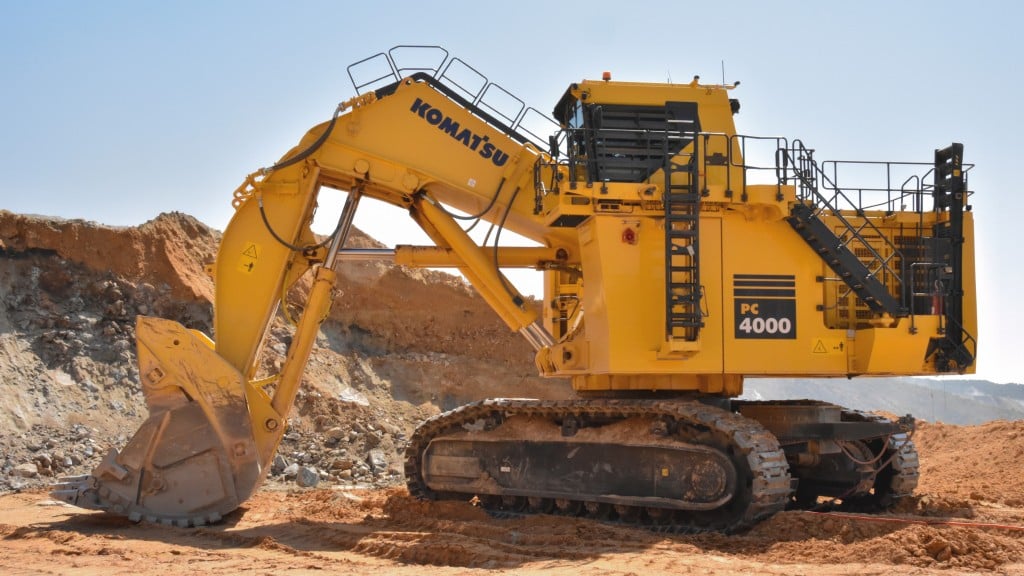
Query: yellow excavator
{"type": "Point", "coordinates": [678, 258]}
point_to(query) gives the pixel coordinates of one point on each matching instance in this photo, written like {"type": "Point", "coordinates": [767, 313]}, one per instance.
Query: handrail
{"type": "Point", "coordinates": [486, 99]}
{"type": "Point", "coordinates": [895, 195]}
{"type": "Point", "coordinates": [809, 175]}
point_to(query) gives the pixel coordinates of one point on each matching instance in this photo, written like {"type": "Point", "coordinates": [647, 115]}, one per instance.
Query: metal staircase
{"type": "Point", "coordinates": [844, 262]}
{"type": "Point", "coordinates": [853, 252]}
{"type": "Point", "coordinates": [683, 317]}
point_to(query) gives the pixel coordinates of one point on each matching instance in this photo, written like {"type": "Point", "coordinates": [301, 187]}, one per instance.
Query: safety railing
{"type": "Point", "coordinates": [484, 98]}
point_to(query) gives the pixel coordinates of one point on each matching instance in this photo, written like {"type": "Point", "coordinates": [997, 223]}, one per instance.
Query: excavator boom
{"type": "Point", "coordinates": [213, 428]}
{"type": "Point", "coordinates": [674, 267]}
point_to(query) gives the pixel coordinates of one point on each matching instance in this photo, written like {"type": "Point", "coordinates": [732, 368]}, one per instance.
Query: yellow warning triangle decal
{"type": "Point", "coordinates": [819, 348]}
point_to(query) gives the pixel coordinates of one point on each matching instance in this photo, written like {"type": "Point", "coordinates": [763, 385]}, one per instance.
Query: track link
{"type": "Point", "coordinates": [763, 488]}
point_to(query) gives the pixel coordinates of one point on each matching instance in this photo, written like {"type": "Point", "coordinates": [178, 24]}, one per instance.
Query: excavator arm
{"type": "Point", "coordinates": [213, 427]}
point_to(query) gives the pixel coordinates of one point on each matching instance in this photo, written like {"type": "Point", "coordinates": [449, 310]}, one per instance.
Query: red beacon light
{"type": "Point", "coordinates": [606, 76]}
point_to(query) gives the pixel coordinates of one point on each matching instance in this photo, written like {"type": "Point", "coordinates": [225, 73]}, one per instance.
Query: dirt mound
{"type": "Point", "coordinates": [810, 537]}
{"type": "Point", "coordinates": [170, 249]}
{"type": "Point", "coordinates": [980, 464]}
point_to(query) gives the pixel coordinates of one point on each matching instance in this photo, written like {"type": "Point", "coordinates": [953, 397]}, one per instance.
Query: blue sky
{"type": "Point", "coordinates": [118, 111]}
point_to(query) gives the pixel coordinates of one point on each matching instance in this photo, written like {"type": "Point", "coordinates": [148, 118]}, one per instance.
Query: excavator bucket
{"type": "Point", "coordinates": [211, 432]}
{"type": "Point", "coordinates": [195, 458]}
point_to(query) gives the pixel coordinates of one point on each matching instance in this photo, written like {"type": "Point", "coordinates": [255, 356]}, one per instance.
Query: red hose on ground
{"type": "Point", "coordinates": [922, 522]}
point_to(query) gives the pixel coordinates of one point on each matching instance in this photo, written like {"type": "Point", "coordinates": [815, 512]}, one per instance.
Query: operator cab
{"type": "Point", "coordinates": [616, 132]}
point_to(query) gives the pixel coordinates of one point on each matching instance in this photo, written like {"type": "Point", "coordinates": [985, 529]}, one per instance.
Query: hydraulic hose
{"type": "Point", "coordinates": [311, 148]}
{"type": "Point", "coordinates": [288, 162]}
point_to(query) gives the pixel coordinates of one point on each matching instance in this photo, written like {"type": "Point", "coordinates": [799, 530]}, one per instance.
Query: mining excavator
{"type": "Point", "coordinates": [678, 258]}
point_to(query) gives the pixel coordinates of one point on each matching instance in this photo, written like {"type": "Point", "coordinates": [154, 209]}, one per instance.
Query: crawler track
{"type": "Point", "coordinates": [762, 485]}
{"type": "Point", "coordinates": [898, 471]}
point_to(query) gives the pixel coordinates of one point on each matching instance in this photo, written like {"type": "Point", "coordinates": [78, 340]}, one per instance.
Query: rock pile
{"type": "Point", "coordinates": [340, 442]}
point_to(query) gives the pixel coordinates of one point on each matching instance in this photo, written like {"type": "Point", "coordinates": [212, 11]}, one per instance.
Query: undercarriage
{"type": "Point", "coordinates": [682, 465]}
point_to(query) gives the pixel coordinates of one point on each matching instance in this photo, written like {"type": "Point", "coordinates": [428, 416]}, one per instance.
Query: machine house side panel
{"type": "Point", "coordinates": [624, 260]}
{"type": "Point", "coordinates": [770, 286]}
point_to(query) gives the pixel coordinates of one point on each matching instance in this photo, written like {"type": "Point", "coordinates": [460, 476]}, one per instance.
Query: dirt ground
{"type": "Point", "coordinates": [400, 346]}
{"type": "Point", "coordinates": [966, 518]}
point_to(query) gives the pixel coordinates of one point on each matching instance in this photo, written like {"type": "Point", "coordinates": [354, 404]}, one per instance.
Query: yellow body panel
{"type": "Point", "coordinates": [753, 242]}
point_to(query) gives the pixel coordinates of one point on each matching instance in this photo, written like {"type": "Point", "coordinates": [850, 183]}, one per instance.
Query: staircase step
{"type": "Point", "coordinates": [694, 322]}
{"type": "Point", "coordinates": [844, 263]}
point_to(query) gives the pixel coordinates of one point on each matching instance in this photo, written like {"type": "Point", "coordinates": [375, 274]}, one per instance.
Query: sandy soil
{"type": "Point", "coordinates": [956, 524]}
{"type": "Point", "coordinates": [386, 532]}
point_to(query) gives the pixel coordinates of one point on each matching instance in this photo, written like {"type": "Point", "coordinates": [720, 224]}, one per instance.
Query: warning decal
{"type": "Point", "coordinates": [831, 347]}
{"type": "Point", "coordinates": [250, 255]}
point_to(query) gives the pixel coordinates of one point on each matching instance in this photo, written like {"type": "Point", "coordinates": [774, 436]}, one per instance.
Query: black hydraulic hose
{"type": "Point", "coordinates": [285, 243]}
{"type": "Point", "coordinates": [288, 162]}
{"type": "Point", "coordinates": [312, 147]}
{"type": "Point", "coordinates": [479, 215]}
{"type": "Point", "coordinates": [497, 236]}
